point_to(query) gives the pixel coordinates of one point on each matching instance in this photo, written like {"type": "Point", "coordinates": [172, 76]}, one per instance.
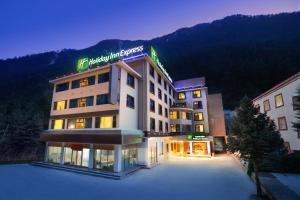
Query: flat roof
{"type": "Point", "coordinates": [279, 86]}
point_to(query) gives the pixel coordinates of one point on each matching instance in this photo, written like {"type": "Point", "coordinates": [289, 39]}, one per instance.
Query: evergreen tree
{"type": "Point", "coordinates": [256, 137]}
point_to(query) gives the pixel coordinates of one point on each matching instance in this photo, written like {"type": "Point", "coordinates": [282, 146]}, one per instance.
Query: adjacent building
{"type": "Point", "coordinates": [280, 103]}
{"type": "Point", "coordinates": [129, 112]}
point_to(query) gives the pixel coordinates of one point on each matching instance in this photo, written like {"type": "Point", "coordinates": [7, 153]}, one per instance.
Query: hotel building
{"type": "Point", "coordinates": [129, 113]}
{"type": "Point", "coordinates": [280, 103]}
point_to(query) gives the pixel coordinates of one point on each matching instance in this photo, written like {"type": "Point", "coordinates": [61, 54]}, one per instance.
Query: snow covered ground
{"type": "Point", "coordinates": [290, 180]}
{"type": "Point", "coordinates": [180, 178]}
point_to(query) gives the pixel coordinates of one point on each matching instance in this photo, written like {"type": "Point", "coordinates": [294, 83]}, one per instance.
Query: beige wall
{"type": "Point", "coordinates": [216, 115]}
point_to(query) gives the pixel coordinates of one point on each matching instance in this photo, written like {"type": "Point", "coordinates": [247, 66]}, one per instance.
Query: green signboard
{"type": "Point", "coordinates": [196, 137]}
{"type": "Point", "coordinates": [156, 61]}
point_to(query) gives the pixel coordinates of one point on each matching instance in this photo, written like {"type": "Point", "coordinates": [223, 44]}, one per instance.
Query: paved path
{"type": "Point", "coordinates": [183, 179]}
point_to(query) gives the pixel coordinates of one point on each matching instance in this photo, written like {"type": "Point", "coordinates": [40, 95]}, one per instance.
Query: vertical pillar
{"type": "Point", "coordinates": [93, 122]}
{"type": "Point", "coordinates": [46, 152]}
{"type": "Point", "coordinates": [191, 148]}
{"type": "Point", "coordinates": [91, 157]}
{"type": "Point", "coordinates": [118, 158]}
{"type": "Point", "coordinates": [208, 148]}
{"type": "Point", "coordinates": [62, 154]}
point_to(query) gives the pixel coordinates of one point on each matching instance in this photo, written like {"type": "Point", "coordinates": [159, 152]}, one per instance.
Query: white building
{"type": "Point", "coordinates": [279, 104]}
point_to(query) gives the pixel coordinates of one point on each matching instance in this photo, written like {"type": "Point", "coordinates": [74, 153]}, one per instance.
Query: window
{"type": "Point", "coordinates": [152, 105]}
{"type": "Point", "coordinates": [167, 127]}
{"type": "Point", "coordinates": [197, 105]}
{"type": "Point", "coordinates": [173, 115]}
{"type": "Point", "coordinates": [159, 93]}
{"type": "Point", "coordinates": [62, 87]}
{"type": "Point", "coordinates": [130, 80]}
{"type": "Point", "coordinates": [152, 124]}
{"type": "Point", "coordinates": [267, 105]}
{"type": "Point", "coordinates": [175, 128]}
{"type": "Point", "coordinates": [79, 123]}
{"type": "Point", "coordinates": [166, 112]}
{"type": "Point", "coordinates": [106, 122]}
{"type": "Point", "coordinates": [130, 101]}
{"type": "Point", "coordinates": [199, 128]}
{"type": "Point", "coordinates": [104, 159]}
{"type": "Point", "coordinates": [188, 116]}
{"type": "Point", "coordinates": [170, 90]}
{"type": "Point", "coordinates": [170, 102]}
{"type": "Point", "coordinates": [102, 78]}
{"type": "Point", "coordinates": [165, 85]}
{"type": "Point", "coordinates": [60, 105]}
{"type": "Point", "coordinates": [102, 99]}
{"type": "Point", "coordinates": [152, 88]}
{"type": "Point", "coordinates": [183, 115]}
{"type": "Point", "coordinates": [278, 101]}
{"type": "Point", "coordinates": [166, 98]}
{"type": "Point", "coordinates": [159, 109]}
{"type": "Point", "coordinates": [198, 116]}
{"type": "Point", "coordinates": [197, 94]}
{"type": "Point", "coordinates": [82, 102]}
{"type": "Point", "coordinates": [151, 71]}
{"type": "Point", "coordinates": [83, 82]}
{"type": "Point", "coordinates": [160, 126]}
{"type": "Point", "coordinates": [181, 95]}
{"type": "Point", "coordinates": [296, 102]}
{"type": "Point", "coordinates": [159, 79]}
{"type": "Point", "coordinates": [58, 124]}
{"type": "Point", "coordinates": [282, 126]}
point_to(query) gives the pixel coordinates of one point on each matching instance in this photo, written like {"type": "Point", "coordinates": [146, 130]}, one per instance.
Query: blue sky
{"type": "Point", "coordinates": [35, 26]}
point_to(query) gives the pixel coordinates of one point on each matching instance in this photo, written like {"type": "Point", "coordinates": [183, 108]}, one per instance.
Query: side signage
{"type": "Point", "coordinates": [155, 59]}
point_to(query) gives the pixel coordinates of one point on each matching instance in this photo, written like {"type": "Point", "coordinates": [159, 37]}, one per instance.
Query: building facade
{"type": "Point", "coordinates": [117, 116]}
{"type": "Point", "coordinates": [280, 103]}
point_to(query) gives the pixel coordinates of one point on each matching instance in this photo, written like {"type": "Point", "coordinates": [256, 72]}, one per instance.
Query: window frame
{"type": "Point", "coordinates": [130, 97]}
{"type": "Point", "coordinates": [103, 74]}
{"type": "Point", "coordinates": [152, 120]}
{"type": "Point", "coordinates": [151, 71]}
{"type": "Point", "coordinates": [194, 96]}
{"type": "Point", "coordinates": [160, 109]}
{"type": "Point", "coordinates": [280, 94]}
{"type": "Point", "coordinates": [295, 106]}
{"type": "Point", "coordinates": [150, 105]}
{"type": "Point", "coordinates": [286, 125]}
{"type": "Point", "coordinates": [151, 90]}
{"type": "Point", "coordinates": [183, 94]}
{"type": "Point", "coordinates": [267, 100]}
{"type": "Point", "coordinates": [130, 80]}
{"type": "Point", "coordinates": [198, 119]}
{"type": "Point", "coordinates": [199, 128]}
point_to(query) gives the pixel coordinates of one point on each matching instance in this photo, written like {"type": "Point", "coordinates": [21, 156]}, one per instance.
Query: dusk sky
{"type": "Point", "coordinates": [36, 26]}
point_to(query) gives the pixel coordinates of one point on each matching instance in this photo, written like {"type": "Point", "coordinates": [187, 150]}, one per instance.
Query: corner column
{"type": "Point", "coordinates": [208, 148]}
{"type": "Point", "coordinates": [91, 157]}
{"type": "Point", "coordinates": [118, 158]}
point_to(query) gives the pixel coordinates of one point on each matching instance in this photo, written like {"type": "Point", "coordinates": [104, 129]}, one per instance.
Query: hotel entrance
{"type": "Point", "coordinates": [77, 154]}
{"type": "Point", "coordinates": [190, 148]}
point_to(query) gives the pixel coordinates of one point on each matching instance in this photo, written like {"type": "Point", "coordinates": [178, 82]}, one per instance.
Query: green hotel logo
{"type": "Point", "coordinates": [82, 64]}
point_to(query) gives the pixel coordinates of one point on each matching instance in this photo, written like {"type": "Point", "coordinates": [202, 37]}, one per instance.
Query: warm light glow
{"type": "Point", "coordinates": [106, 122]}
{"type": "Point", "coordinates": [181, 95]}
{"type": "Point", "coordinates": [183, 115]}
{"type": "Point", "coordinates": [58, 124]}
{"type": "Point", "coordinates": [198, 116]}
{"type": "Point", "coordinates": [197, 93]}
{"type": "Point", "coordinates": [173, 115]}
{"type": "Point", "coordinates": [278, 100]}
{"type": "Point", "coordinates": [83, 83]}
{"type": "Point", "coordinates": [60, 105]}
{"type": "Point", "coordinates": [173, 128]}
{"type": "Point", "coordinates": [199, 128]}
{"type": "Point", "coordinates": [80, 123]}
{"type": "Point", "coordinates": [82, 102]}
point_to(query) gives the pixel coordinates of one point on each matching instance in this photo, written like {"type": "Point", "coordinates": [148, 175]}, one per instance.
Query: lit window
{"type": "Point", "coordinates": [60, 105]}
{"type": "Point", "coordinates": [183, 115]}
{"type": "Point", "coordinates": [198, 116]}
{"type": "Point", "coordinates": [196, 93]}
{"type": "Point", "coordinates": [58, 124]}
{"type": "Point", "coordinates": [197, 105]}
{"type": "Point", "coordinates": [173, 115]}
{"type": "Point", "coordinates": [173, 128]}
{"type": "Point", "coordinates": [106, 122]}
{"type": "Point", "coordinates": [83, 83]}
{"type": "Point", "coordinates": [181, 95]}
{"type": "Point", "coordinates": [80, 123]}
{"type": "Point", "coordinates": [199, 128]}
{"type": "Point", "coordinates": [267, 105]}
{"type": "Point", "coordinates": [278, 100]}
{"type": "Point", "coordinates": [282, 126]}
{"type": "Point", "coordinates": [82, 102]}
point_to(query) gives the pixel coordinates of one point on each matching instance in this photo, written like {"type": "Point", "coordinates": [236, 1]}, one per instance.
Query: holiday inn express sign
{"type": "Point", "coordinates": [85, 63]}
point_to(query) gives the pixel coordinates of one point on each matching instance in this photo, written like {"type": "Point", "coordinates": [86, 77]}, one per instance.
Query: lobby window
{"type": "Point", "coordinates": [102, 78]}
{"type": "Point", "coordinates": [159, 109]}
{"type": "Point", "coordinates": [160, 126]}
{"type": "Point", "coordinates": [130, 101]}
{"type": "Point", "coordinates": [166, 98]}
{"type": "Point", "coordinates": [282, 125]}
{"type": "Point", "coordinates": [296, 102]}
{"type": "Point", "coordinates": [278, 101]}
{"type": "Point", "coordinates": [102, 99]}
{"type": "Point", "coordinates": [165, 85]}
{"type": "Point", "coordinates": [57, 124]}
{"type": "Point", "coordinates": [183, 115]}
{"type": "Point", "coordinates": [151, 71]}
{"type": "Point", "coordinates": [104, 159]}
{"type": "Point", "coordinates": [173, 115]}
{"type": "Point", "coordinates": [79, 123]}
{"type": "Point", "coordinates": [166, 112]}
{"type": "Point", "coordinates": [159, 93]}
{"type": "Point", "coordinates": [83, 82]}
{"type": "Point", "coordinates": [181, 95]}
{"type": "Point", "coordinates": [130, 80]}
{"type": "Point", "coordinates": [152, 105]}
{"type": "Point", "coordinates": [199, 128]}
{"type": "Point", "coordinates": [166, 127]}
{"type": "Point", "coordinates": [106, 122]}
{"type": "Point", "coordinates": [267, 106]}
{"type": "Point", "coordinates": [152, 88]}
{"type": "Point", "coordinates": [197, 94]}
{"type": "Point", "coordinates": [60, 105]}
{"type": "Point", "coordinates": [152, 124]}
{"type": "Point", "coordinates": [159, 79]}
{"type": "Point", "coordinates": [197, 105]}
{"type": "Point", "coordinates": [198, 116]}
{"type": "Point", "coordinates": [62, 87]}
{"type": "Point", "coordinates": [54, 154]}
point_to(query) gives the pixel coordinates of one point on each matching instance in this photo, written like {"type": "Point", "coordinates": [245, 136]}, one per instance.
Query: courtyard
{"type": "Point", "coordinates": [179, 178]}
